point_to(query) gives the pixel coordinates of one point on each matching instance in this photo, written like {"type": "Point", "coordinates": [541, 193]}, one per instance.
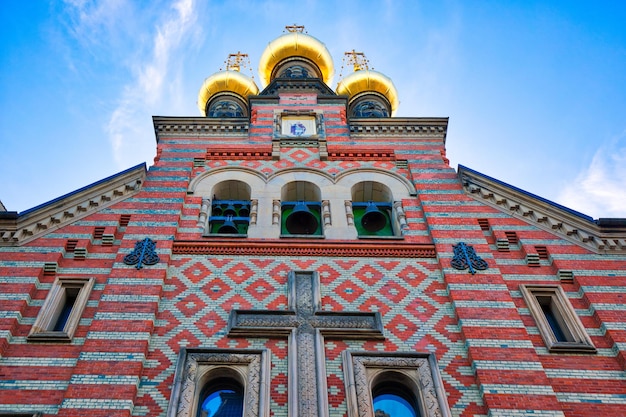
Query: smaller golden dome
{"type": "Point", "coordinates": [295, 44]}
{"type": "Point", "coordinates": [225, 81]}
{"type": "Point", "coordinates": [365, 80]}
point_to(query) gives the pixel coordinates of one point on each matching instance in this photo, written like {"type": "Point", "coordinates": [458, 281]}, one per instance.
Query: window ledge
{"type": "Point", "coordinates": [571, 347]}
{"type": "Point", "coordinates": [303, 236]}
{"type": "Point", "coordinates": [382, 237]}
{"type": "Point", "coordinates": [230, 235]}
{"type": "Point", "coordinates": [48, 336]}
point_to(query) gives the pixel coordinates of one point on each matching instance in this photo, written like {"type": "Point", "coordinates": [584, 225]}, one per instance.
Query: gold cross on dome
{"type": "Point", "coordinates": [295, 28]}
{"type": "Point", "coordinates": [357, 59]}
{"type": "Point", "coordinates": [236, 61]}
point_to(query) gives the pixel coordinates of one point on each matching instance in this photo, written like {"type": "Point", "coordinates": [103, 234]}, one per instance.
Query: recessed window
{"type": "Point", "coordinates": [226, 105]}
{"type": "Point", "coordinates": [222, 397]}
{"type": "Point", "coordinates": [296, 67]}
{"type": "Point", "coordinates": [372, 209]}
{"type": "Point", "coordinates": [560, 327]}
{"type": "Point", "coordinates": [301, 218]}
{"type": "Point", "coordinates": [61, 312]}
{"type": "Point", "coordinates": [370, 108]}
{"type": "Point", "coordinates": [393, 385]}
{"type": "Point", "coordinates": [221, 383]}
{"type": "Point", "coordinates": [229, 217]}
{"type": "Point", "coordinates": [230, 209]}
{"type": "Point", "coordinates": [393, 397]}
{"type": "Point", "coordinates": [301, 210]}
{"type": "Point", "coordinates": [370, 104]}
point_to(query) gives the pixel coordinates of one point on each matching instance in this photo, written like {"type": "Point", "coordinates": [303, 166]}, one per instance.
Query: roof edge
{"type": "Point", "coordinates": [18, 229]}
{"type": "Point", "coordinates": [606, 236]}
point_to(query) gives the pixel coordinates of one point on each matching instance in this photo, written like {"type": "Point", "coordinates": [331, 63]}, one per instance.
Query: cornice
{"type": "Point", "coordinates": [200, 126]}
{"type": "Point", "coordinates": [602, 236]}
{"type": "Point", "coordinates": [298, 85]}
{"type": "Point", "coordinates": [19, 229]}
{"type": "Point", "coordinates": [400, 126]}
{"type": "Point", "coordinates": [289, 247]}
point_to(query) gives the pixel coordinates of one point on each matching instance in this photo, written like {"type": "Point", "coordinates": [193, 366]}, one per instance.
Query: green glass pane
{"type": "Point", "coordinates": [387, 230]}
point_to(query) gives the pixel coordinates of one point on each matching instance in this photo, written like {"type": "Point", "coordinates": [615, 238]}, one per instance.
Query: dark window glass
{"type": "Point", "coordinates": [393, 405]}
{"type": "Point", "coordinates": [66, 309]}
{"type": "Point", "coordinates": [552, 320]}
{"type": "Point", "coordinates": [222, 403]}
{"type": "Point", "coordinates": [225, 108]}
{"type": "Point", "coordinates": [370, 108]}
{"type": "Point", "coordinates": [223, 397]}
{"type": "Point", "coordinates": [295, 71]}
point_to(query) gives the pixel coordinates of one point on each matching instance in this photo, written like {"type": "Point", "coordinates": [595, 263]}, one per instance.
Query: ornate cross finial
{"type": "Point", "coordinates": [236, 61]}
{"type": "Point", "coordinates": [465, 257]}
{"type": "Point", "coordinates": [144, 254]}
{"type": "Point", "coordinates": [357, 59]}
{"type": "Point", "coordinates": [295, 28]}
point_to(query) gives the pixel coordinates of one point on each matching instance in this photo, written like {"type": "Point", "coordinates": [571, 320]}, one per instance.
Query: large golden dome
{"type": "Point", "coordinates": [225, 81]}
{"type": "Point", "coordinates": [365, 80]}
{"type": "Point", "coordinates": [295, 44]}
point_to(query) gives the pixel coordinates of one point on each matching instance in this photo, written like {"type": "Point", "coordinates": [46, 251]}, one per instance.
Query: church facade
{"type": "Point", "coordinates": [300, 251]}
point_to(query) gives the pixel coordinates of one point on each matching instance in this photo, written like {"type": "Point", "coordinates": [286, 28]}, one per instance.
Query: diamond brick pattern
{"type": "Point", "coordinates": [488, 347]}
{"type": "Point", "coordinates": [209, 299]}
{"type": "Point", "coordinates": [239, 273]}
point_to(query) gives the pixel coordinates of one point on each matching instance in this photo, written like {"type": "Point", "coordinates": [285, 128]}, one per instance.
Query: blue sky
{"type": "Point", "coordinates": [535, 90]}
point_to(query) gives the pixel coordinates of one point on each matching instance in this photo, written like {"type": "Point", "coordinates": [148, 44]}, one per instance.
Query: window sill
{"type": "Point", "coordinates": [303, 236]}
{"type": "Point", "coordinates": [571, 347]}
{"type": "Point", "coordinates": [241, 236]}
{"type": "Point", "coordinates": [49, 336]}
{"type": "Point", "coordinates": [381, 237]}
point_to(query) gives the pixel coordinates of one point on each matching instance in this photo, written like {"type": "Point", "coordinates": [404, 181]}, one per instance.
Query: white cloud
{"type": "Point", "coordinates": [600, 189]}
{"type": "Point", "coordinates": [128, 126]}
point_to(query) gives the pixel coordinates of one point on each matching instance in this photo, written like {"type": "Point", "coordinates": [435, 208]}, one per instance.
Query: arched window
{"type": "Point", "coordinates": [393, 395]}
{"type": "Point", "coordinates": [230, 208]}
{"type": "Point", "coordinates": [301, 208]}
{"type": "Point", "coordinates": [369, 104]}
{"type": "Point", "coordinates": [221, 397]}
{"type": "Point", "coordinates": [296, 67]}
{"type": "Point", "coordinates": [370, 108]}
{"type": "Point", "coordinates": [226, 105]}
{"type": "Point", "coordinates": [372, 207]}
{"type": "Point", "coordinates": [225, 108]}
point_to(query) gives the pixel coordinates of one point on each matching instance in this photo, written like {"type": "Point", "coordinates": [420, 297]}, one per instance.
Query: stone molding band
{"type": "Point", "coordinates": [303, 248]}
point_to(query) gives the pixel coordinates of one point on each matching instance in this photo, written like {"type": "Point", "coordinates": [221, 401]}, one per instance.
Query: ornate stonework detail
{"type": "Point", "coordinates": [143, 254]}
{"type": "Point", "coordinates": [193, 363]}
{"type": "Point", "coordinates": [561, 221]}
{"type": "Point", "coordinates": [198, 126]}
{"type": "Point", "coordinates": [336, 153]}
{"type": "Point", "coordinates": [251, 247]}
{"type": "Point", "coordinates": [239, 154]}
{"type": "Point", "coordinates": [361, 366]}
{"type": "Point", "coordinates": [19, 229]}
{"type": "Point", "coordinates": [305, 327]}
{"type": "Point", "coordinates": [397, 126]}
{"type": "Point", "coordinates": [465, 257]}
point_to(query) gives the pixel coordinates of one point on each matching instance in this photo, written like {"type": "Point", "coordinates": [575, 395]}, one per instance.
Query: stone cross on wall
{"type": "Point", "coordinates": [305, 325]}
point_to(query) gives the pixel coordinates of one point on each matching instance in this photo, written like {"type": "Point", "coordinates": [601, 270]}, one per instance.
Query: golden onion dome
{"type": "Point", "coordinates": [365, 80]}
{"type": "Point", "coordinates": [295, 44]}
{"type": "Point", "coordinates": [225, 81]}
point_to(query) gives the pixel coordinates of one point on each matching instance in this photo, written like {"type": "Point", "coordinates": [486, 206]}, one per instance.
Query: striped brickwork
{"type": "Point", "coordinates": [491, 357]}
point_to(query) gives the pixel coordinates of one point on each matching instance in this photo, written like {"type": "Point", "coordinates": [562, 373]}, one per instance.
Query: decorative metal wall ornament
{"type": "Point", "coordinates": [465, 257]}
{"type": "Point", "coordinates": [144, 254]}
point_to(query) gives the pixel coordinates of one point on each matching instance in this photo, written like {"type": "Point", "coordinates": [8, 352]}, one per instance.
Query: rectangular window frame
{"type": "Point", "coordinates": [43, 328]}
{"type": "Point", "coordinates": [568, 322]}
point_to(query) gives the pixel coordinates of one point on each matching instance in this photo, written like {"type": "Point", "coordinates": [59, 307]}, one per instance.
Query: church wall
{"type": "Point", "coordinates": [490, 353]}
{"type": "Point", "coordinates": [410, 294]}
